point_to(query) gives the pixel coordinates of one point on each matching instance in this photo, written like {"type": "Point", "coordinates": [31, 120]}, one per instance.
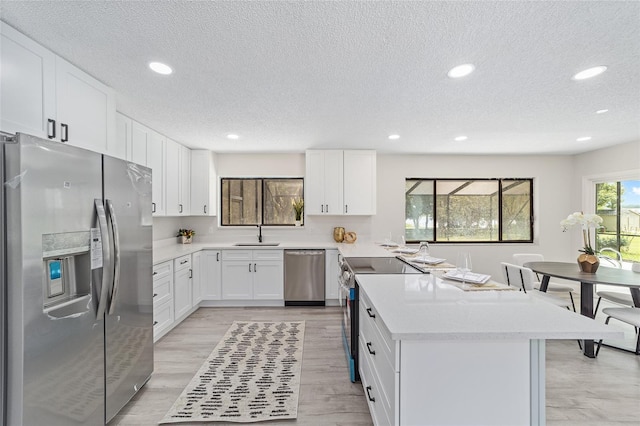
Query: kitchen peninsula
{"type": "Point", "coordinates": [428, 348]}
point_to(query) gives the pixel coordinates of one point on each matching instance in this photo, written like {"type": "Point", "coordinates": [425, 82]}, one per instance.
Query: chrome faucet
{"type": "Point", "coordinates": [259, 233]}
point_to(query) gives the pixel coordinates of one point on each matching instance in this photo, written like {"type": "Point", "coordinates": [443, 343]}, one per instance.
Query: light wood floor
{"type": "Point", "coordinates": [580, 391]}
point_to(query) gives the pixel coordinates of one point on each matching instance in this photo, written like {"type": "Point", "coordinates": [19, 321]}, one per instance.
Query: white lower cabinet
{"type": "Point", "coordinates": [252, 275]}
{"type": "Point", "coordinates": [197, 278]}
{"type": "Point", "coordinates": [182, 281]}
{"type": "Point", "coordinates": [163, 313]}
{"type": "Point", "coordinates": [332, 270]}
{"type": "Point", "coordinates": [211, 270]}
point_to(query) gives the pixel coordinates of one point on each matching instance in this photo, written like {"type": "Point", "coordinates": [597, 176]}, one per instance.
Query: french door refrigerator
{"type": "Point", "coordinates": [77, 309]}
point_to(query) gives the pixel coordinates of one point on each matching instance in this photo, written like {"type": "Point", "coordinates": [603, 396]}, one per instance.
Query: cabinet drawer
{"type": "Point", "coordinates": [373, 326]}
{"type": "Point", "coordinates": [373, 390]}
{"type": "Point", "coordinates": [162, 316]}
{"type": "Point", "coordinates": [381, 368]}
{"type": "Point", "coordinates": [162, 269]}
{"type": "Point", "coordinates": [162, 289]}
{"type": "Point", "coordinates": [236, 255]}
{"type": "Point", "coordinates": [182, 262]}
{"type": "Point", "coordinates": [268, 255]}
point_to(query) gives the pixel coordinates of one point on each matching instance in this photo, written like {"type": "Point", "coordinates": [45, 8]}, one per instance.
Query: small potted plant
{"type": "Point", "coordinates": [185, 236]}
{"type": "Point", "coordinates": [298, 207]}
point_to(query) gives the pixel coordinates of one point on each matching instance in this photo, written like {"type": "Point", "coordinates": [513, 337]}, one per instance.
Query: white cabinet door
{"type": "Point", "coordinates": [155, 159]}
{"type": "Point", "coordinates": [268, 280]}
{"type": "Point", "coordinates": [123, 144]}
{"type": "Point", "coordinates": [172, 174]}
{"type": "Point", "coordinates": [314, 182]}
{"type": "Point", "coordinates": [332, 270]}
{"type": "Point", "coordinates": [324, 182]}
{"type": "Point", "coordinates": [86, 109]}
{"type": "Point", "coordinates": [185, 181]}
{"type": "Point", "coordinates": [139, 142]}
{"type": "Point", "coordinates": [198, 278]}
{"type": "Point", "coordinates": [237, 280]}
{"type": "Point", "coordinates": [360, 182]}
{"type": "Point", "coordinates": [333, 182]}
{"type": "Point", "coordinates": [182, 295]}
{"type": "Point", "coordinates": [203, 183]}
{"type": "Point", "coordinates": [27, 85]}
{"type": "Point", "coordinates": [211, 275]}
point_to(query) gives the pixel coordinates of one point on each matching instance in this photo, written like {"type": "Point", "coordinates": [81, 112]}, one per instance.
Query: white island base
{"type": "Point", "coordinates": [431, 354]}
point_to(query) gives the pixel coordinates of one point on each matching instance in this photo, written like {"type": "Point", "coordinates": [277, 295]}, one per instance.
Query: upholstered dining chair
{"type": "Point", "coordinates": [522, 258]}
{"type": "Point", "coordinates": [627, 315]}
{"type": "Point", "coordinates": [607, 261]}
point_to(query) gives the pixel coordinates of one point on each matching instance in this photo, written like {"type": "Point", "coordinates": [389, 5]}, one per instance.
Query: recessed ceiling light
{"type": "Point", "coordinates": [160, 68]}
{"type": "Point", "coordinates": [460, 138]}
{"type": "Point", "coordinates": [461, 70]}
{"type": "Point", "coordinates": [589, 72]}
{"type": "Point", "coordinates": [232, 136]}
{"type": "Point", "coordinates": [602, 111]}
{"type": "Point", "coordinates": [394, 137]}
{"type": "Point", "coordinates": [583, 138]}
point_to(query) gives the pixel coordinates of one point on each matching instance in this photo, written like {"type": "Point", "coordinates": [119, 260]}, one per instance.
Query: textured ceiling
{"type": "Point", "coordinates": [289, 76]}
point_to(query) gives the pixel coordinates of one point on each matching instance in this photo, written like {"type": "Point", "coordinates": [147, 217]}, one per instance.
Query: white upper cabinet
{"type": "Point", "coordinates": [140, 136]}
{"type": "Point", "coordinates": [86, 109]}
{"type": "Point", "coordinates": [27, 85]}
{"type": "Point", "coordinates": [203, 183]}
{"type": "Point", "coordinates": [156, 151]}
{"type": "Point", "coordinates": [360, 182]}
{"type": "Point", "coordinates": [122, 147]}
{"type": "Point", "coordinates": [340, 182]}
{"type": "Point", "coordinates": [178, 179]}
{"type": "Point", "coordinates": [44, 95]}
{"type": "Point", "coordinates": [323, 182]}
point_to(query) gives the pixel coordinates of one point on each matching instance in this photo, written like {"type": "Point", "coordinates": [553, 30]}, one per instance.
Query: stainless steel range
{"type": "Point", "coordinates": [350, 267]}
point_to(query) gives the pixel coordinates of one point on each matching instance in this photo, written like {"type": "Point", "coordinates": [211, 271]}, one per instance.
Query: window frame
{"type": "Point", "coordinates": [261, 207]}
{"type": "Point", "coordinates": [500, 192]}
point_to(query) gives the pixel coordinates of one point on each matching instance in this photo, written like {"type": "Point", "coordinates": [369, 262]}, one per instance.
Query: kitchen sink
{"type": "Point", "coordinates": [256, 244]}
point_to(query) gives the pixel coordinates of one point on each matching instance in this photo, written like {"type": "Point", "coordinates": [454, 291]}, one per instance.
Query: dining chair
{"type": "Point", "coordinates": [623, 299]}
{"type": "Point", "coordinates": [525, 279]}
{"type": "Point", "coordinates": [627, 315]}
{"type": "Point", "coordinates": [522, 258]}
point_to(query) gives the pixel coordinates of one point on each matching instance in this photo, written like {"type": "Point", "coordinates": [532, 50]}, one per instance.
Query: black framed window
{"type": "Point", "coordinates": [469, 210]}
{"type": "Point", "coordinates": [259, 201]}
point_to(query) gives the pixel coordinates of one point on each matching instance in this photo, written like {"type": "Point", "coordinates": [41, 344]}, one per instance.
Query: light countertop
{"type": "Point", "coordinates": [423, 307]}
{"type": "Point", "coordinates": [358, 249]}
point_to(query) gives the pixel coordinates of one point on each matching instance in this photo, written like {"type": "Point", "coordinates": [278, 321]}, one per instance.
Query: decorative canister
{"type": "Point", "coordinates": [588, 263]}
{"type": "Point", "coordinates": [338, 234]}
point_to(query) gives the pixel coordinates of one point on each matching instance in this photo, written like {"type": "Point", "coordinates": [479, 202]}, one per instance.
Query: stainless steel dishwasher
{"type": "Point", "coordinates": [304, 277]}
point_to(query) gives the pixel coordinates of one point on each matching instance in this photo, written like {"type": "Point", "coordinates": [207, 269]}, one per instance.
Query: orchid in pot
{"type": "Point", "coordinates": [588, 260]}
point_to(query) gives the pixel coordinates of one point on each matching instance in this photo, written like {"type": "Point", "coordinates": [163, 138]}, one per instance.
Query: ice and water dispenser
{"type": "Point", "coordinates": [67, 268]}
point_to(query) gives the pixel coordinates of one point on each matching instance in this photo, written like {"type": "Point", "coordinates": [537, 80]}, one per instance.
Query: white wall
{"type": "Point", "coordinates": [557, 192]}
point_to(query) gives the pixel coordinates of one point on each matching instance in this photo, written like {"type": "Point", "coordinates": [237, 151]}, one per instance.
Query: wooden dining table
{"type": "Point", "coordinates": [604, 275]}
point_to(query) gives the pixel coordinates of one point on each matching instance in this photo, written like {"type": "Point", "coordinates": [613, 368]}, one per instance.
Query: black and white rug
{"type": "Point", "coordinates": [252, 375]}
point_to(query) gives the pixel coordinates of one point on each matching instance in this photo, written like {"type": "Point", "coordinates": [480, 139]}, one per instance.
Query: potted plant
{"type": "Point", "coordinates": [298, 207]}
{"type": "Point", "coordinates": [185, 236]}
{"type": "Point", "coordinates": [588, 260]}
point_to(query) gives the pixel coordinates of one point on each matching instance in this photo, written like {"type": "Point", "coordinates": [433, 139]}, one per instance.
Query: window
{"type": "Point", "coordinates": [469, 210]}
{"type": "Point", "coordinates": [618, 203]}
{"type": "Point", "coordinates": [259, 201]}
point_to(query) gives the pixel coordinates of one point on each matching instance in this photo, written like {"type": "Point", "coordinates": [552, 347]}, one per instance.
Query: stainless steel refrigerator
{"type": "Point", "coordinates": [76, 269]}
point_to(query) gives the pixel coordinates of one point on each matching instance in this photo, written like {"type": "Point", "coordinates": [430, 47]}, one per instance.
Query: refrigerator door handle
{"type": "Point", "coordinates": [106, 259]}
{"type": "Point", "coordinates": [116, 254]}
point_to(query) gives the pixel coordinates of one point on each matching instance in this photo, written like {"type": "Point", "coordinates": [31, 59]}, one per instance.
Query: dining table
{"type": "Point", "coordinates": [604, 275]}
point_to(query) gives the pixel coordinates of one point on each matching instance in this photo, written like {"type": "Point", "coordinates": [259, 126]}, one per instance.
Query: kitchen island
{"type": "Point", "coordinates": [433, 354]}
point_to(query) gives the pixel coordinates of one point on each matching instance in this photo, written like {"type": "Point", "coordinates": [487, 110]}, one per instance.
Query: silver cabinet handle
{"type": "Point", "coordinates": [116, 255]}
{"type": "Point", "coordinates": [106, 258]}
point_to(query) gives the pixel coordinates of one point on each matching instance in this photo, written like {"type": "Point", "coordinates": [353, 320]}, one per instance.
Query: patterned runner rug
{"type": "Point", "coordinates": [252, 375]}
